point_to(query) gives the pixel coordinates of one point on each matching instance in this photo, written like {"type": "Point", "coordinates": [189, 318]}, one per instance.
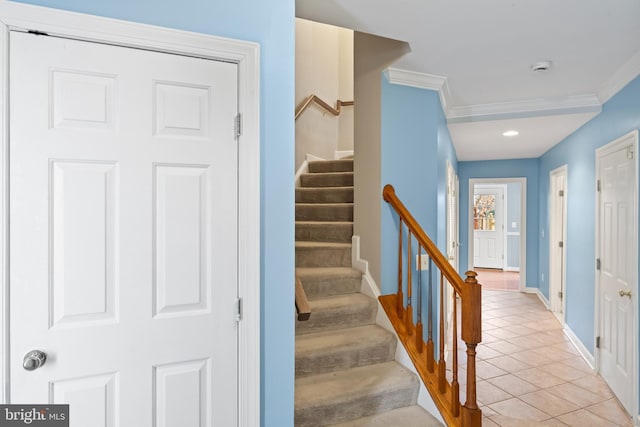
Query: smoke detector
{"type": "Point", "coordinates": [541, 66]}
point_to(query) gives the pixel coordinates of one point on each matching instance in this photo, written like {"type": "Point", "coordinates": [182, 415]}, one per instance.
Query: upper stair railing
{"type": "Point", "coordinates": [316, 99]}
{"type": "Point", "coordinates": [443, 384]}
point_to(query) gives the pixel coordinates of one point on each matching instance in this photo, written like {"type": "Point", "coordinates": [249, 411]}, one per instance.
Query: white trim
{"type": "Point", "coordinates": [370, 288]}
{"type": "Point", "coordinates": [246, 55]}
{"type": "Point", "coordinates": [340, 154]}
{"type": "Point", "coordinates": [623, 76]}
{"type": "Point", "coordinates": [587, 103]}
{"type": "Point", "coordinates": [516, 269]}
{"type": "Point", "coordinates": [304, 168]}
{"type": "Point", "coordinates": [553, 289]}
{"type": "Point", "coordinates": [523, 221]}
{"type": "Point", "coordinates": [512, 233]}
{"type": "Point", "coordinates": [421, 81]}
{"type": "Point", "coordinates": [311, 158]}
{"type": "Point", "coordinates": [584, 352]}
{"type": "Point", "coordinates": [601, 152]}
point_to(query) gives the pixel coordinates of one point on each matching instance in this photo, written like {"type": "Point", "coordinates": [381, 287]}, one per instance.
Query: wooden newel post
{"type": "Point", "coordinates": [472, 336]}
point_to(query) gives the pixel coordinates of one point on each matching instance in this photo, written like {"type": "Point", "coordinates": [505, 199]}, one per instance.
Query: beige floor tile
{"type": "Point", "coordinates": [540, 378]}
{"type": "Point", "coordinates": [554, 423]}
{"type": "Point", "coordinates": [503, 333]}
{"type": "Point", "coordinates": [484, 352]}
{"type": "Point", "coordinates": [612, 411]}
{"type": "Point", "coordinates": [504, 347]}
{"type": "Point", "coordinates": [516, 408]}
{"type": "Point", "coordinates": [531, 358]}
{"type": "Point", "coordinates": [485, 370]}
{"type": "Point", "coordinates": [594, 384]}
{"type": "Point", "coordinates": [577, 362]}
{"type": "Point", "coordinates": [513, 385]}
{"type": "Point", "coordinates": [509, 364]}
{"type": "Point", "coordinates": [488, 393]}
{"type": "Point", "coordinates": [486, 422]}
{"type": "Point", "coordinates": [520, 330]}
{"type": "Point", "coordinates": [486, 411]}
{"type": "Point", "coordinates": [563, 371]}
{"type": "Point", "coordinates": [553, 355]}
{"type": "Point", "coordinates": [526, 343]}
{"type": "Point", "coordinates": [488, 338]}
{"type": "Point", "coordinates": [549, 403]}
{"type": "Point", "coordinates": [505, 421]}
{"type": "Point", "coordinates": [583, 418]}
{"type": "Point", "coordinates": [575, 394]}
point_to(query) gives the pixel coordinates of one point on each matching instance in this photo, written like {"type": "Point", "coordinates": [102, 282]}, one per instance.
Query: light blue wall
{"type": "Point", "coordinates": [415, 148]}
{"type": "Point", "coordinates": [520, 168]}
{"type": "Point", "coordinates": [620, 115]}
{"type": "Point", "coordinates": [513, 216]}
{"type": "Point", "coordinates": [271, 24]}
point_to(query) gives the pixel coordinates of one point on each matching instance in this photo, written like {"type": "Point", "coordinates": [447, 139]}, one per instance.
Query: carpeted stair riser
{"type": "Point", "coordinates": [340, 179]}
{"type": "Point", "coordinates": [338, 312]}
{"type": "Point", "coordinates": [331, 166]}
{"type": "Point", "coordinates": [353, 393]}
{"type": "Point", "coordinates": [327, 231]}
{"type": "Point", "coordinates": [324, 195]}
{"type": "Point", "coordinates": [324, 212]}
{"type": "Point", "coordinates": [330, 281]}
{"type": "Point", "coordinates": [310, 254]}
{"type": "Point", "coordinates": [343, 349]}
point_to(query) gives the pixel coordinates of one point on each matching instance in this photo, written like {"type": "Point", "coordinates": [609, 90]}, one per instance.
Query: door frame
{"type": "Point", "coordinates": [631, 137]}
{"type": "Point", "coordinates": [523, 221]}
{"type": "Point", "coordinates": [21, 17]}
{"type": "Point", "coordinates": [553, 286]}
{"type": "Point", "coordinates": [503, 232]}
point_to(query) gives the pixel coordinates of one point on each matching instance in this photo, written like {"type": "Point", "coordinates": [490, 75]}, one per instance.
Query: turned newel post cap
{"type": "Point", "coordinates": [387, 191]}
{"type": "Point", "coordinates": [471, 277]}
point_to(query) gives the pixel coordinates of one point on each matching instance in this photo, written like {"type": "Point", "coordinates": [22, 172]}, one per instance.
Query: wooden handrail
{"type": "Point", "coordinates": [314, 98]}
{"type": "Point", "coordinates": [445, 394]}
{"type": "Point", "coordinates": [302, 303]}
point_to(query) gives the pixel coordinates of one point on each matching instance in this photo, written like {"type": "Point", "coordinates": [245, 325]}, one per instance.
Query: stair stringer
{"type": "Point", "coordinates": [370, 288]}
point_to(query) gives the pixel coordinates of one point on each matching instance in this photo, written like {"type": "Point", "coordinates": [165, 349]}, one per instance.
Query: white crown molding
{"type": "Point", "coordinates": [527, 108]}
{"type": "Point", "coordinates": [422, 81]}
{"type": "Point", "coordinates": [629, 71]}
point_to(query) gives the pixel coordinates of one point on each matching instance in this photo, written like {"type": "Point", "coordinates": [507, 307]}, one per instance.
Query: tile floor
{"type": "Point", "coordinates": [529, 373]}
{"type": "Point", "coordinates": [498, 279]}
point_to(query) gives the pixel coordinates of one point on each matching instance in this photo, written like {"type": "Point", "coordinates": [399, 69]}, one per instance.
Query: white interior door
{"type": "Point", "coordinates": [557, 239]}
{"type": "Point", "coordinates": [123, 233]}
{"type": "Point", "coordinates": [618, 271]}
{"type": "Point", "coordinates": [488, 227]}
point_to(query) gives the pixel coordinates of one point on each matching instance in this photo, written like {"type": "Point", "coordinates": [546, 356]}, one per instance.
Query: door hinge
{"type": "Point", "coordinates": [37, 33]}
{"type": "Point", "coordinates": [561, 193]}
{"type": "Point", "coordinates": [630, 152]}
{"type": "Point", "coordinates": [561, 244]}
{"type": "Point", "coordinates": [560, 295]}
{"type": "Point", "coordinates": [598, 185]}
{"type": "Point", "coordinates": [239, 310]}
{"type": "Point", "coordinates": [238, 125]}
{"type": "Point", "coordinates": [597, 342]}
{"type": "Point", "coordinates": [598, 264]}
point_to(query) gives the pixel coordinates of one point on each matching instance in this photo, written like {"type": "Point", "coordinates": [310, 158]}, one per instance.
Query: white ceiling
{"type": "Point", "coordinates": [479, 55]}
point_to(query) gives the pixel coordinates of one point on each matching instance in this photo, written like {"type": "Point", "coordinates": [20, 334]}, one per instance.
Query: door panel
{"type": "Point", "coordinates": [488, 227]}
{"type": "Point", "coordinates": [123, 233]}
{"type": "Point", "coordinates": [617, 287]}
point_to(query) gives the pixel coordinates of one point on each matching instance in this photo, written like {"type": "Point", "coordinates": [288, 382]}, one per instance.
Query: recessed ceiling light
{"type": "Point", "coordinates": [541, 66]}
{"type": "Point", "coordinates": [511, 133]}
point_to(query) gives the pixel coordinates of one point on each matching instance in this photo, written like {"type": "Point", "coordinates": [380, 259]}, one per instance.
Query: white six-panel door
{"type": "Point", "coordinates": [123, 233]}
{"type": "Point", "coordinates": [488, 245]}
{"type": "Point", "coordinates": [618, 269]}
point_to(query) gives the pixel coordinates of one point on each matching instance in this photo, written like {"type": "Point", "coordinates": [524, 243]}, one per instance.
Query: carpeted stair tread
{"type": "Point", "coordinates": [324, 211]}
{"type": "Point", "coordinates": [323, 254]}
{"type": "Point", "coordinates": [324, 194]}
{"type": "Point", "coordinates": [353, 393]}
{"type": "Point", "coordinates": [321, 282]}
{"type": "Point", "coordinates": [329, 179]}
{"type": "Point", "coordinates": [338, 312]}
{"type": "Point", "coordinates": [344, 165]}
{"type": "Point", "coordinates": [408, 416]}
{"type": "Point", "coordinates": [342, 349]}
{"type": "Point", "coordinates": [324, 231]}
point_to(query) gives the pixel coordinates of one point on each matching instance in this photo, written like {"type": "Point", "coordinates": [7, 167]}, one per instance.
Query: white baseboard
{"type": "Point", "coordinates": [311, 158]}
{"type": "Point", "coordinates": [536, 291]}
{"type": "Point", "coordinates": [516, 269]}
{"type": "Point", "coordinates": [370, 288]}
{"type": "Point", "coordinates": [588, 357]}
{"type": "Point", "coordinates": [304, 168]}
{"type": "Point", "coordinates": [339, 154]}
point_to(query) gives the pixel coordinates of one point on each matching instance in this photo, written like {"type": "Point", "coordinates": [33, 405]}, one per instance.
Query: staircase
{"type": "Point", "coordinates": [345, 369]}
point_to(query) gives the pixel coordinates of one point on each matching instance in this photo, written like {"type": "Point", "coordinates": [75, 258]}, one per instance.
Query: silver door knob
{"type": "Point", "coordinates": [624, 294]}
{"type": "Point", "coordinates": [33, 360]}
